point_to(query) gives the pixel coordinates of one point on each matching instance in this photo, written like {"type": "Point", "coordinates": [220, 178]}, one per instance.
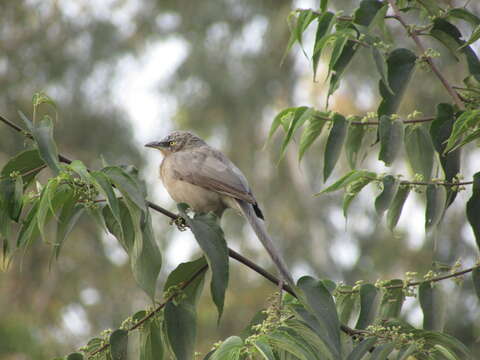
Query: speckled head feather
{"type": "Point", "coordinates": [176, 141]}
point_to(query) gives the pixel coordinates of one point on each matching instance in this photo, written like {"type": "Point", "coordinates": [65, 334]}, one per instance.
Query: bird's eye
{"type": "Point", "coordinates": [172, 143]}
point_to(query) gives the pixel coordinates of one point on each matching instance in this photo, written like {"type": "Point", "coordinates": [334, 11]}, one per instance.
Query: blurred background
{"type": "Point", "coordinates": [125, 72]}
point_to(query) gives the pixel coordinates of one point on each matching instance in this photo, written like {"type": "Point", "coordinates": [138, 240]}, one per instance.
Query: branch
{"type": "Point", "coordinates": [416, 39]}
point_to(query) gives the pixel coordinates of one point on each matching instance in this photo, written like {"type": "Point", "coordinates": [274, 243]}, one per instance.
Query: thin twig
{"type": "Point", "coordinates": [429, 60]}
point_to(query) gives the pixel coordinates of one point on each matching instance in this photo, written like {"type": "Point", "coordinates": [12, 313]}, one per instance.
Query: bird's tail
{"type": "Point", "coordinates": [259, 227]}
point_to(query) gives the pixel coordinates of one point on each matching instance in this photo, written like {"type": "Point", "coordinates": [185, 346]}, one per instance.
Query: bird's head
{"type": "Point", "coordinates": [176, 141]}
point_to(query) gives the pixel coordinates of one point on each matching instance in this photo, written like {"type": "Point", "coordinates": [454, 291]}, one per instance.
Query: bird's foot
{"type": "Point", "coordinates": [180, 223]}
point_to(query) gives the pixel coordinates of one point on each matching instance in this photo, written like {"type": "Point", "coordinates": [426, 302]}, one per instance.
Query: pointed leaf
{"type": "Point", "coordinates": [29, 229]}
{"type": "Point", "coordinates": [431, 302]}
{"type": "Point", "coordinates": [436, 196]}
{"type": "Point", "coordinates": [106, 188]}
{"type": "Point", "coordinates": [43, 135]}
{"type": "Point", "coordinates": [69, 215]}
{"type": "Point", "coordinates": [151, 345]}
{"type": "Point", "coordinates": [281, 118]}
{"type": "Point", "coordinates": [184, 272]}
{"type": "Point", "coordinates": [127, 185]}
{"type": "Point", "coordinates": [264, 349]}
{"type": "Point", "coordinates": [352, 191]}
{"type": "Point", "coordinates": [300, 116]}
{"type": "Point", "coordinates": [334, 144]}
{"type": "Point", "coordinates": [209, 236]}
{"type": "Point", "coordinates": [400, 64]}
{"type": "Point", "coordinates": [361, 349]}
{"type": "Point", "coordinates": [340, 65]}
{"type": "Point", "coordinates": [381, 64]}
{"type": "Point", "coordinates": [311, 132]}
{"type": "Point", "coordinates": [464, 14]}
{"type": "Point", "coordinates": [382, 351]}
{"type": "Point", "coordinates": [119, 344]}
{"type": "Point", "coordinates": [181, 329]}
{"type": "Point", "coordinates": [325, 24]}
{"type": "Point", "coordinates": [392, 300]}
{"type": "Point", "coordinates": [473, 208]}
{"type": "Point", "coordinates": [384, 199]}
{"type": "Point", "coordinates": [322, 306]}
{"type": "Point", "coordinates": [353, 144]}
{"type": "Point", "coordinates": [395, 209]}
{"type": "Point", "coordinates": [229, 350]}
{"type": "Point", "coordinates": [391, 135]}
{"type": "Point", "coordinates": [347, 179]}
{"type": "Point", "coordinates": [28, 163]}
{"type": "Point", "coordinates": [419, 149]}
{"type": "Point", "coordinates": [369, 301]}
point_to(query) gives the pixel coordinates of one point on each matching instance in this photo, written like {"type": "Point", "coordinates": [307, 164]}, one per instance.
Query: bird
{"type": "Point", "coordinates": [203, 177]}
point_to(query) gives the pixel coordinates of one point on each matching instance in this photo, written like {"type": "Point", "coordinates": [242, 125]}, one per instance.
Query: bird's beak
{"type": "Point", "coordinates": [157, 144]}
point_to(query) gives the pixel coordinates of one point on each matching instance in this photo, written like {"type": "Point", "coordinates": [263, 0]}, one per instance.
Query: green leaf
{"type": "Point", "coordinates": [311, 132]}
{"type": "Point", "coordinates": [334, 144]}
{"type": "Point", "coordinates": [46, 208]}
{"type": "Point", "coordinates": [325, 24]}
{"type": "Point", "coordinates": [119, 344]}
{"type": "Point", "coordinates": [184, 272]}
{"type": "Point", "coordinates": [300, 116]}
{"type": "Point", "coordinates": [323, 5]}
{"type": "Point", "coordinates": [348, 179]}
{"type": "Point", "coordinates": [473, 208]}
{"type": "Point", "coordinates": [127, 185]}
{"type": "Point", "coordinates": [440, 131]}
{"type": "Point", "coordinates": [181, 329]}
{"type": "Point", "coordinates": [420, 150]}
{"type": "Point", "coordinates": [366, 12]}
{"type": "Point", "coordinates": [43, 135]}
{"type": "Point", "coordinates": [297, 28]}
{"type": "Point", "coordinates": [340, 40]}
{"type": "Point", "coordinates": [292, 344]}
{"type": "Point", "coordinates": [353, 144]}
{"type": "Point", "coordinates": [40, 98]}
{"type": "Point", "coordinates": [406, 351]}
{"type": "Point", "coordinates": [464, 14]}
{"type": "Point", "coordinates": [381, 64]}
{"type": "Point", "coordinates": [395, 209]}
{"type": "Point", "coordinates": [384, 199]}
{"type": "Point", "coordinates": [340, 65]}
{"type": "Point", "coordinates": [123, 230]}
{"type": "Point", "coordinates": [400, 65]}
{"type": "Point", "coordinates": [463, 125]}
{"type": "Point", "coordinates": [369, 301]}
{"type": "Point", "coordinates": [361, 349]}
{"type": "Point", "coordinates": [448, 342]}
{"type": "Point", "coordinates": [345, 304]}
{"type": "Point", "coordinates": [151, 345]}
{"type": "Point", "coordinates": [392, 300]}
{"type": "Point", "coordinates": [29, 229]}
{"type": "Point", "coordinates": [69, 215]}
{"type": "Point", "coordinates": [28, 161]}
{"type": "Point", "coordinates": [322, 306]}
{"type": "Point", "coordinates": [284, 117]}
{"type": "Point", "coordinates": [352, 191]}
{"type": "Point", "coordinates": [391, 135]}
{"type": "Point", "coordinates": [11, 196]}
{"type": "Point", "coordinates": [105, 187]}
{"type": "Point", "coordinates": [209, 236]}
{"type": "Point", "coordinates": [431, 302]}
{"type": "Point", "coordinates": [264, 349]}
{"type": "Point", "coordinates": [382, 351]}
{"type": "Point", "coordinates": [229, 350]}
{"type": "Point", "coordinates": [476, 281]}
{"type": "Point", "coordinates": [436, 197]}
{"type": "Point", "coordinates": [75, 356]}
{"type": "Point", "coordinates": [473, 38]}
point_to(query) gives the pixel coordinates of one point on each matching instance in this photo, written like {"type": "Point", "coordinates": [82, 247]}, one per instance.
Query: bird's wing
{"type": "Point", "coordinates": [210, 169]}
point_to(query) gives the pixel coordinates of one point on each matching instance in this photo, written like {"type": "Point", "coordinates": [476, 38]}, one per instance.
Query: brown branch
{"type": "Point", "coordinates": [421, 48]}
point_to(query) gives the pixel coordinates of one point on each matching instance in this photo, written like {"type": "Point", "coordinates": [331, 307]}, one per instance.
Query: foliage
{"type": "Point", "coordinates": [318, 319]}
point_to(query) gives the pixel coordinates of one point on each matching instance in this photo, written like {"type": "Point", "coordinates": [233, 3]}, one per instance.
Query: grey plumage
{"type": "Point", "coordinates": [203, 177]}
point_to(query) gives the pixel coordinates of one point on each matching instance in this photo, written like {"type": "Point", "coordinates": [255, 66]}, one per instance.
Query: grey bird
{"type": "Point", "coordinates": [204, 178]}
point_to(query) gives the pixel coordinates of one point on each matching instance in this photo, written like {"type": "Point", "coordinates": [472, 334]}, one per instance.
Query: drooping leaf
{"type": "Point", "coordinates": [406, 351]}
{"type": "Point", "coordinates": [473, 208]}
{"type": "Point", "coordinates": [384, 199]}
{"type": "Point", "coordinates": [184, 272]}
{"type": "Point", "coordinates": [431, 302]}
{"type": "Point", "coordinates": [476, 281]}
{"type": "Point", "coordinates": [464, 125]}
{"type": "Point", "coordinates": [11, 196]}
{"type": "Point", "coordinates": [301, 115]}
{"type": "Point", "coordinates": [464, 14]}
{"type": "Point", "coordinates": [29, 229]}
{"type": "Point", "coordinates": [340, 39]}
{"type": "Point", "coordinates": [381, 64]}
{"type": "Point", "coordinates": [369, 301]}
{"type": "Point", "coordinates": [361, 349]}
{"type": "Point", "coordinates": [310, 134]}
{"type": "Point", "coordinates": [419, 150]}
{"type": "Point", "coordinates": [436, 197]}
{"type": "Point", "coordinates": [291, 344]}
{"type": "Point", "coordinates": [340, 65]}
{"type": "Point", "coordinates": [366, 12]}
{"type": "Point", "coordinates": [127, 185]}
{"type": "Point", "coordinates": [284, 118]}
{"type": "Point", "coordinates": [352, 191]}
{"type": "Point", "coordinates": [106, 188]}
{"type": "Point", "coordinates": [46, 208]}
{"type": "Point", "coordinates": [123, 230]}
{"type": "Point", "coordinates": [473, 38]}
{"type": "Point", "coordinates": [229, 350]}
{"type": "Point", "coordinates": [119, 344]}
{"type": "Point", "coordinates": [264, 349]}
{"type": "Point", "coordinates": [395, 209]}
{"type": "Point", "coordinates": [43, 135]}
{"type": "Point", "coordinates": [392, 299]}
{"type": "Point", "coordinates": [353, 144]}
{"type": "Point", "coordinates": [209, 236]}
{"type": "Point", "coordinates": [347, 179]}
{"type": "Point", "coordinates": [69, 215]}
{"type": "Point", "coordinates": [151, 345]}
{"type": "Point", "coordinates": [298, 25]}
{"type": "Point", "coordinates": [391, 135]}
{"type": "Point", "coordinates": [382, 351]}
{"type": "Point", "coordinates": [334, 144]}
{"type": "Point", "coordinates": [345, 304]}
{"type": "Point", "coordinates": [181, 329]}
{"type": "Point", "coordinates": [321, 304]}
{"type": "Point", "coordinates": [400, 65]}
{"type": "Point", "coordinates": [325, 24]}
{"type": "Point", "coordinates": [28, 163]}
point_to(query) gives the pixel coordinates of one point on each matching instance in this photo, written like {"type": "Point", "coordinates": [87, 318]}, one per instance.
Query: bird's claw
{"type": "Point", "coordinates": [180, 223]}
